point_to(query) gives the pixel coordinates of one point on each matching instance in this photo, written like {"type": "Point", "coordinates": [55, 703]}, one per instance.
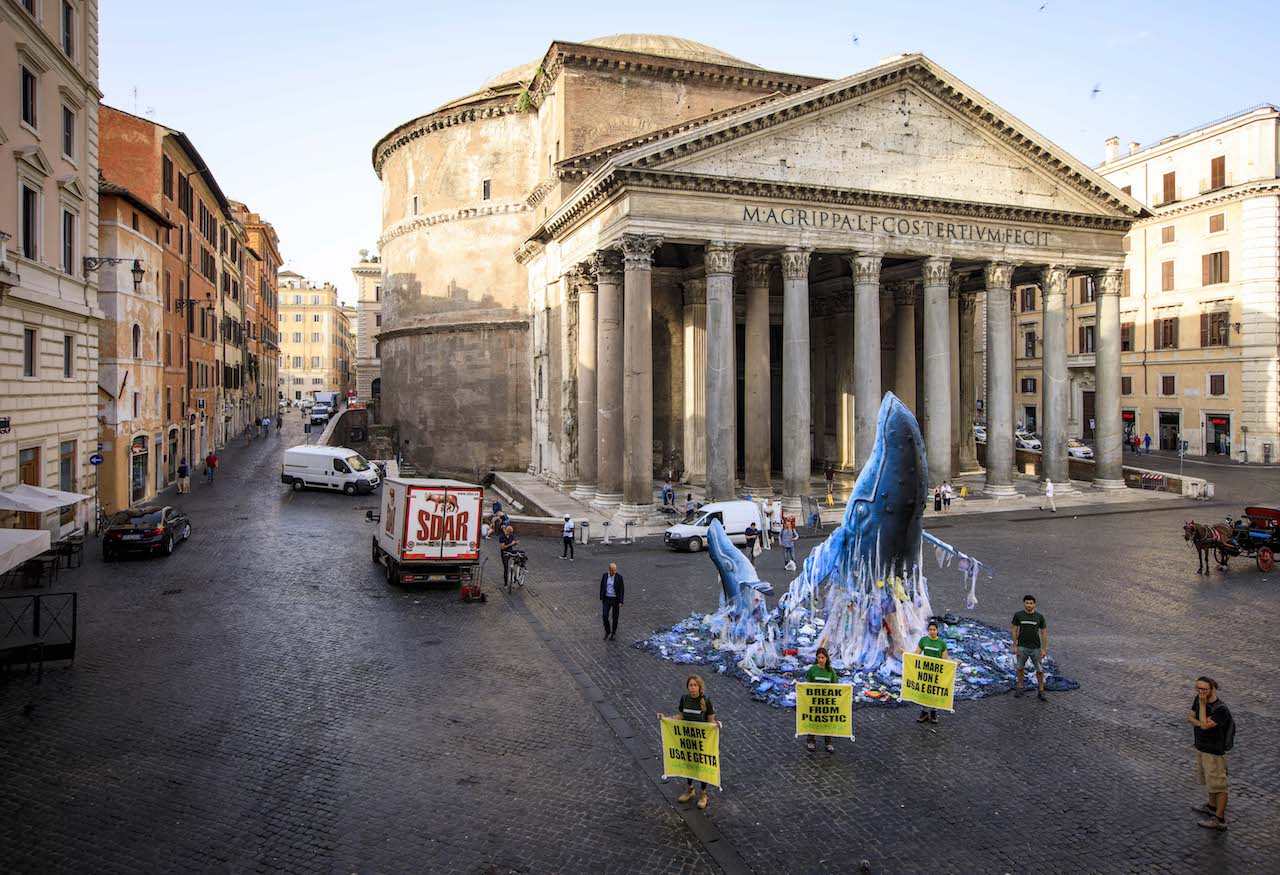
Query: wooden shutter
{"type": "Point", "coordinates": [1217, 222]}
{"type": "Point", "coordinates": [1170, 187]}
{"type": "Point", "coordinates": [1204, 329]}
{"type": "Point", "coordinates": [1218, 172]}
{"type": "Point", "coordinates": [1166, 234]}
{"type": "Point", "coordinates": [1166, 276]}
{"type": "Point", "coordinates": [1206, 269]}
{"type": "Point", "coordinates": [1124, 283]}
{"type": "Point", "coordinates": [1173, 331]}
{"type": "Point", "coordinates": [1224, 275]}
{"type": "Point", "coordinates": [1080, 340]}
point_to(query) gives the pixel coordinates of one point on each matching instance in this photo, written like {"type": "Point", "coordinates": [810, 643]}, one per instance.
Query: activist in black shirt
{"type": "Point", "coordinates": [695, 706]}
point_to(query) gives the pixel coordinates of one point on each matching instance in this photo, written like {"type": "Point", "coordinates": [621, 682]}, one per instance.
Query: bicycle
{"type": "Point", "coordinates": [517, 569]}
{"type": "Point", "coordinates": [99, 520]}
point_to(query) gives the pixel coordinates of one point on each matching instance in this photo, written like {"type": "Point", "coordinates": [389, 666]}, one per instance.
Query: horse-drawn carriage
{"type": "Point", "coordinates": [1256, 535]}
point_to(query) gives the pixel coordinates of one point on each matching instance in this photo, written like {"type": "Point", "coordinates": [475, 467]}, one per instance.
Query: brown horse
{"type": "Point", "coordinates": [1206, 539]}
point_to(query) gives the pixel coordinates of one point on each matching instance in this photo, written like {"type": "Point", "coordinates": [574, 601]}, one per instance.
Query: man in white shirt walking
{"type": "Point", "coordinates": [1048, 497]}
{"type": "Point", "coordinates": [568, 538]}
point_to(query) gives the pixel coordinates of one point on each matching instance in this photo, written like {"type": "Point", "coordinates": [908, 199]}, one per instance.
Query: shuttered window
{"type": "Point", "coordinates": [1170, 188]}
{"type": "Point", "coordinates": [1215, 268]}
{"type": "Point", "coordinates": [1213, 329]}
{"type": "Point", "coordinates": [1217, 384]}
{"type": "Point", "coordinates": [1028, 299]}
{"type": "Point", "coordinates": [1126, 385]}
{"type": "Point", "coordinates": [1028, 385]}
{"type": "Point", "coordinates": [1085, 339]}
{"type": "Point", "coordinates": [1218, 173]}
{"type": "Point", "coordinates": [1124, 283]}
{"type": "Point", "coordinates": [1168, 386]}
{"type": "Point", "coordinates": [1166, 333]}
{"type": "Point", "coordinates": [1126, 337]}
{"type": "Point", "coordinates": [1166, 276]}
{"type": "Point", "coordinates": [1166, 234]}
{"type": "Point", "coordinates": [1217, 222]}
{"type": "Point", "coordinates": [1088, 289]}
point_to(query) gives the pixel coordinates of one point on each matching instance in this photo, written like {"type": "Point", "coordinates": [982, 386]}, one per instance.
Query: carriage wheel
{"type": "Point", "coordinates": [1221, 556]}
{"type": "Point", "coordinates": [1266, 559]}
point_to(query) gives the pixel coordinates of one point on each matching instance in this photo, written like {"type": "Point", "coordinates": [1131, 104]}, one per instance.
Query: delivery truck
{"type": "Point", "coordinates": [428, 530]}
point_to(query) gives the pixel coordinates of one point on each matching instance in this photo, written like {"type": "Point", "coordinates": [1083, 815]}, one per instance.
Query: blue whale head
{"type": "Point", "coordinates": [736, 571]}
{"type": "Point", "coordinates": [883, 517]}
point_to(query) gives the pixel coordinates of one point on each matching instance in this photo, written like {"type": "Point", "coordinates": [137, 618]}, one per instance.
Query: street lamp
{"type": "Point", "coordinates": [1224, 330]}
{"type": "Point", "coordinates": [182, 303]}
{"type": "Point", "coordinates": [92, 263]}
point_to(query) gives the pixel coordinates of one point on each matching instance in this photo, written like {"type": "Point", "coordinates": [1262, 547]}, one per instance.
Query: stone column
{"type": "Point", "coordinates": [1054, 378]}
{"type": "Point", "coordinates": [756, 418]}
{"type": "Point", "coordinates": [820, 381]}
{"type": "Point", "coordinates": [844, 406]}
{"type": "Point", "coordinates": [637, 384]}
{"type": "Point", "coordinates": [586, 352]}
{"type": "Point", "coordinates": [866, 352]}
{"type": "Point", "coordinates": [721, 464]}
{"type": "Point", "coordinates": [608, 270]}
{"type": "Point", "coordinates": [1108, 473]}
{"type": "Point", "coordinates": [937, 367]}
{"type": "Point", "coordinates": [904, 370]}
{"type": "Point", "coordinates": [953, 333]}
{"type": "Point", "coordinates": [695, 381]}
{"type": "Point", "coordinates": [968, 453]}
{"type": "Point", "coordinates": [999, 275]}
{"type": "Point", "coordinates": [797, 451]}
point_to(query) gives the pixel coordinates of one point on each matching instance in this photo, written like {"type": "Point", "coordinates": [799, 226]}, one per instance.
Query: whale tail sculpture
{"type": "Point", "coordinates": [877, 600]}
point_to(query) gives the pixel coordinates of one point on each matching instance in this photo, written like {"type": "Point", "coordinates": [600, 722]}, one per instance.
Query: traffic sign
{"type": "Point", "coordinates": [95, 459]}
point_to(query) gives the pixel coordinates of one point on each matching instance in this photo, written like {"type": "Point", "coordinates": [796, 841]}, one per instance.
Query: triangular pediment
{"type": "Point", "coordinates": [71, 185]}
{"type": "Point", "coordinates": [34, 158]}
{"type": "Point", "coordinates": [904, 128]}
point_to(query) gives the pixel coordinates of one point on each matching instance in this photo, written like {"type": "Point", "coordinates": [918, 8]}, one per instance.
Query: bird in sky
{"type": "Point", "coordinates": [855, 39]}
{"type": "Point", "coordinates": [1097, 89]}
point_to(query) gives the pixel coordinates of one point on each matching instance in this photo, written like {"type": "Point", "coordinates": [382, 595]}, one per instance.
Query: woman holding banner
{"type": "Point", "coordinates": [695, 706]}
{"type": "Point", "coordinates": [936, 647]}
{"type": "Point", "coordinates": [820, 672]}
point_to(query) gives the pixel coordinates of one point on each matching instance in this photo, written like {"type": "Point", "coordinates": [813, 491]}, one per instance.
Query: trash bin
{"type": "Point", "coordinates": [1266, 452]}
{"type": "Point", "coordinates": [584, 528]}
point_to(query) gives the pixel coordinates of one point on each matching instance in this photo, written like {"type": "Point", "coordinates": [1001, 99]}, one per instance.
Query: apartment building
{"type": "Point", "coordinates": [262, 297]}
{"type": "Point", "coordinates": [368, 274]}
{"type": "Point", "coordinates": [1200, 298]}
{"type": "Point", "coordinates": [49, 268]}
{"type": "Point", "coordinates": [315, 339]}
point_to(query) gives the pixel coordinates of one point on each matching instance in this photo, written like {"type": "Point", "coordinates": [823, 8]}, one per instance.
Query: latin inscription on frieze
{"type": "Point", "coordinates": [894, 226]}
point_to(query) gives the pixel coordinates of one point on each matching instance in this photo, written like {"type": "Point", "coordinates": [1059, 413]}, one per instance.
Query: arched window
{"type": "Point", "coordinates": [137, 341]}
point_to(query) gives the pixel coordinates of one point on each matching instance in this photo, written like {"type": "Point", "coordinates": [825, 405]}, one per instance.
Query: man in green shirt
{"type": "Point", "coordinates": [1030, 641]}
{"type": "Point", "coordinates": [931, 645]}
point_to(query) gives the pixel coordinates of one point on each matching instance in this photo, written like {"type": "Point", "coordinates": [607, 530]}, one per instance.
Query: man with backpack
{"type": "Point", "coordinates": [1215, 735]}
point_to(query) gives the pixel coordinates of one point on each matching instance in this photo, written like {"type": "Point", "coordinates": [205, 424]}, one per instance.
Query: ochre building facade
{"type": "Point", "coordinates": [640, 256]}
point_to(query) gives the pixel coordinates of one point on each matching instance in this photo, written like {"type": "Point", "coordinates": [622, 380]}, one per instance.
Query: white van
{"type": "Point", "coordinates": [735, 516]}
{"type": "Point", "coordinates": [328, 468]}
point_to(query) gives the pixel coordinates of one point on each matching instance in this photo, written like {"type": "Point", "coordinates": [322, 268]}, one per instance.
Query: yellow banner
{"type": "Point", "coordinates": [928, 681]}
{"type": "Point", "coordinates": [824, 709]}
{"type": "Point", "coordinates": [691, 750]}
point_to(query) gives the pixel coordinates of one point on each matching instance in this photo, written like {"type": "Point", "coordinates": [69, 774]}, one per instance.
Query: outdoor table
{"type": "Point", "coordinates": [71, 549]}
{"type": "Point", "coordinates": [42, 566]}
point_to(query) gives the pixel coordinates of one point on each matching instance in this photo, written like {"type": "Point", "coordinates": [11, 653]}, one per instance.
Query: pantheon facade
{"type": "Point", "coordinates": [639, 256]}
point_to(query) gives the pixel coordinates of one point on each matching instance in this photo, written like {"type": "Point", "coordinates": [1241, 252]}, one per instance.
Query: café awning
{"type": "Point", "coordinates": [37, 499]}
{"type": "Point", "coordinates": [19, 545]}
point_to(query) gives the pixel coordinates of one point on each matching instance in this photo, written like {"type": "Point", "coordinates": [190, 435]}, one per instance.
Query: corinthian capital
{"type": "Point", "coordinates": [1053, 280]}
{"type": "Point", "coordinates": [954, 284]}
{"type": "Point", "coordinates": [866, 267]}
{"type": "Point", "coordinates": [968, 301]}
{"type": "Point", "coordinates": [1111, 282]}
{"type": "Point", "coordinates": [937, 271]}
{"type": "Point", "coordinates": [607, 266]}
{"type": "Point", "coordinates": [795, 262]}
{"type": "Point", "coordinates": [758, 273]}
{"type": "Point", "coordinates": [905, 293]}
{"type": "Point", "coordinates": [999, 274]}
{"type": "Point", "coordinates": [717, 257]}
{"type": "Point", "coordinates": [695, 292]}
{"type": "Point", "coordinates": [582, 279]}
{"type": "Point", "coordinates": [638, 249]}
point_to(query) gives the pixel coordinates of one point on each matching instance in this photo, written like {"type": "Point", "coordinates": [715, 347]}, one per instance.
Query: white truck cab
{"type": "Point", "coordinates": [336, 468]}
{"type": "Point", "coordinates": [735, 516]}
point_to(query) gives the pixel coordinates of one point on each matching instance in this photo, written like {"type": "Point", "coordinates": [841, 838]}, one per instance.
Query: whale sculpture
{"type": "Point", "coordinates": [876, 603]}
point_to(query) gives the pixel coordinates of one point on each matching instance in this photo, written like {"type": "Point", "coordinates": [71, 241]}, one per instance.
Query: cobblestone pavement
{"type": "Point", "coordinates": [263, 701]}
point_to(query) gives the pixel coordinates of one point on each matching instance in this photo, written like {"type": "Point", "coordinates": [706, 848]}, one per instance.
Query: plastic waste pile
{"type": "Point", "coordinates": [984, 653]}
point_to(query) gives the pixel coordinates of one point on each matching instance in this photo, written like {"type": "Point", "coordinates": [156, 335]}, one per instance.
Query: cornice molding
{"type": "Point", "coordinates": [484, 108]}
{"type": "Point", "coordinates": [665, 180]}
{"type": "Point", "coordinates": [1209, 199]}
{"type": "Point", "coordinates": [426, 221]}
{"type": "Point", "coordinates": [514, 323]}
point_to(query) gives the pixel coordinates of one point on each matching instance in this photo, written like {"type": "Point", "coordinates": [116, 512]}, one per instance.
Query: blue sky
{"type": "Point", "coordinates": [285, 98]}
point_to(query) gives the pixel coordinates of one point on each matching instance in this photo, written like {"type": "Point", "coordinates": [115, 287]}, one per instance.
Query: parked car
{"type": "Point", "coordinates": [320, 413]}
{"type": "Point", "coordinates": [328, 468]}
{"type": "Point", "coordinates": [1025, 440]}
{"type": "Point", "coordinates": [146, 529]}
{"type": "Point", "coordinates": [980, 433]}
{"type": "Point", "coordinates": [735, 516]}
{"type": "Point", "coordinates": [1078, 450]}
